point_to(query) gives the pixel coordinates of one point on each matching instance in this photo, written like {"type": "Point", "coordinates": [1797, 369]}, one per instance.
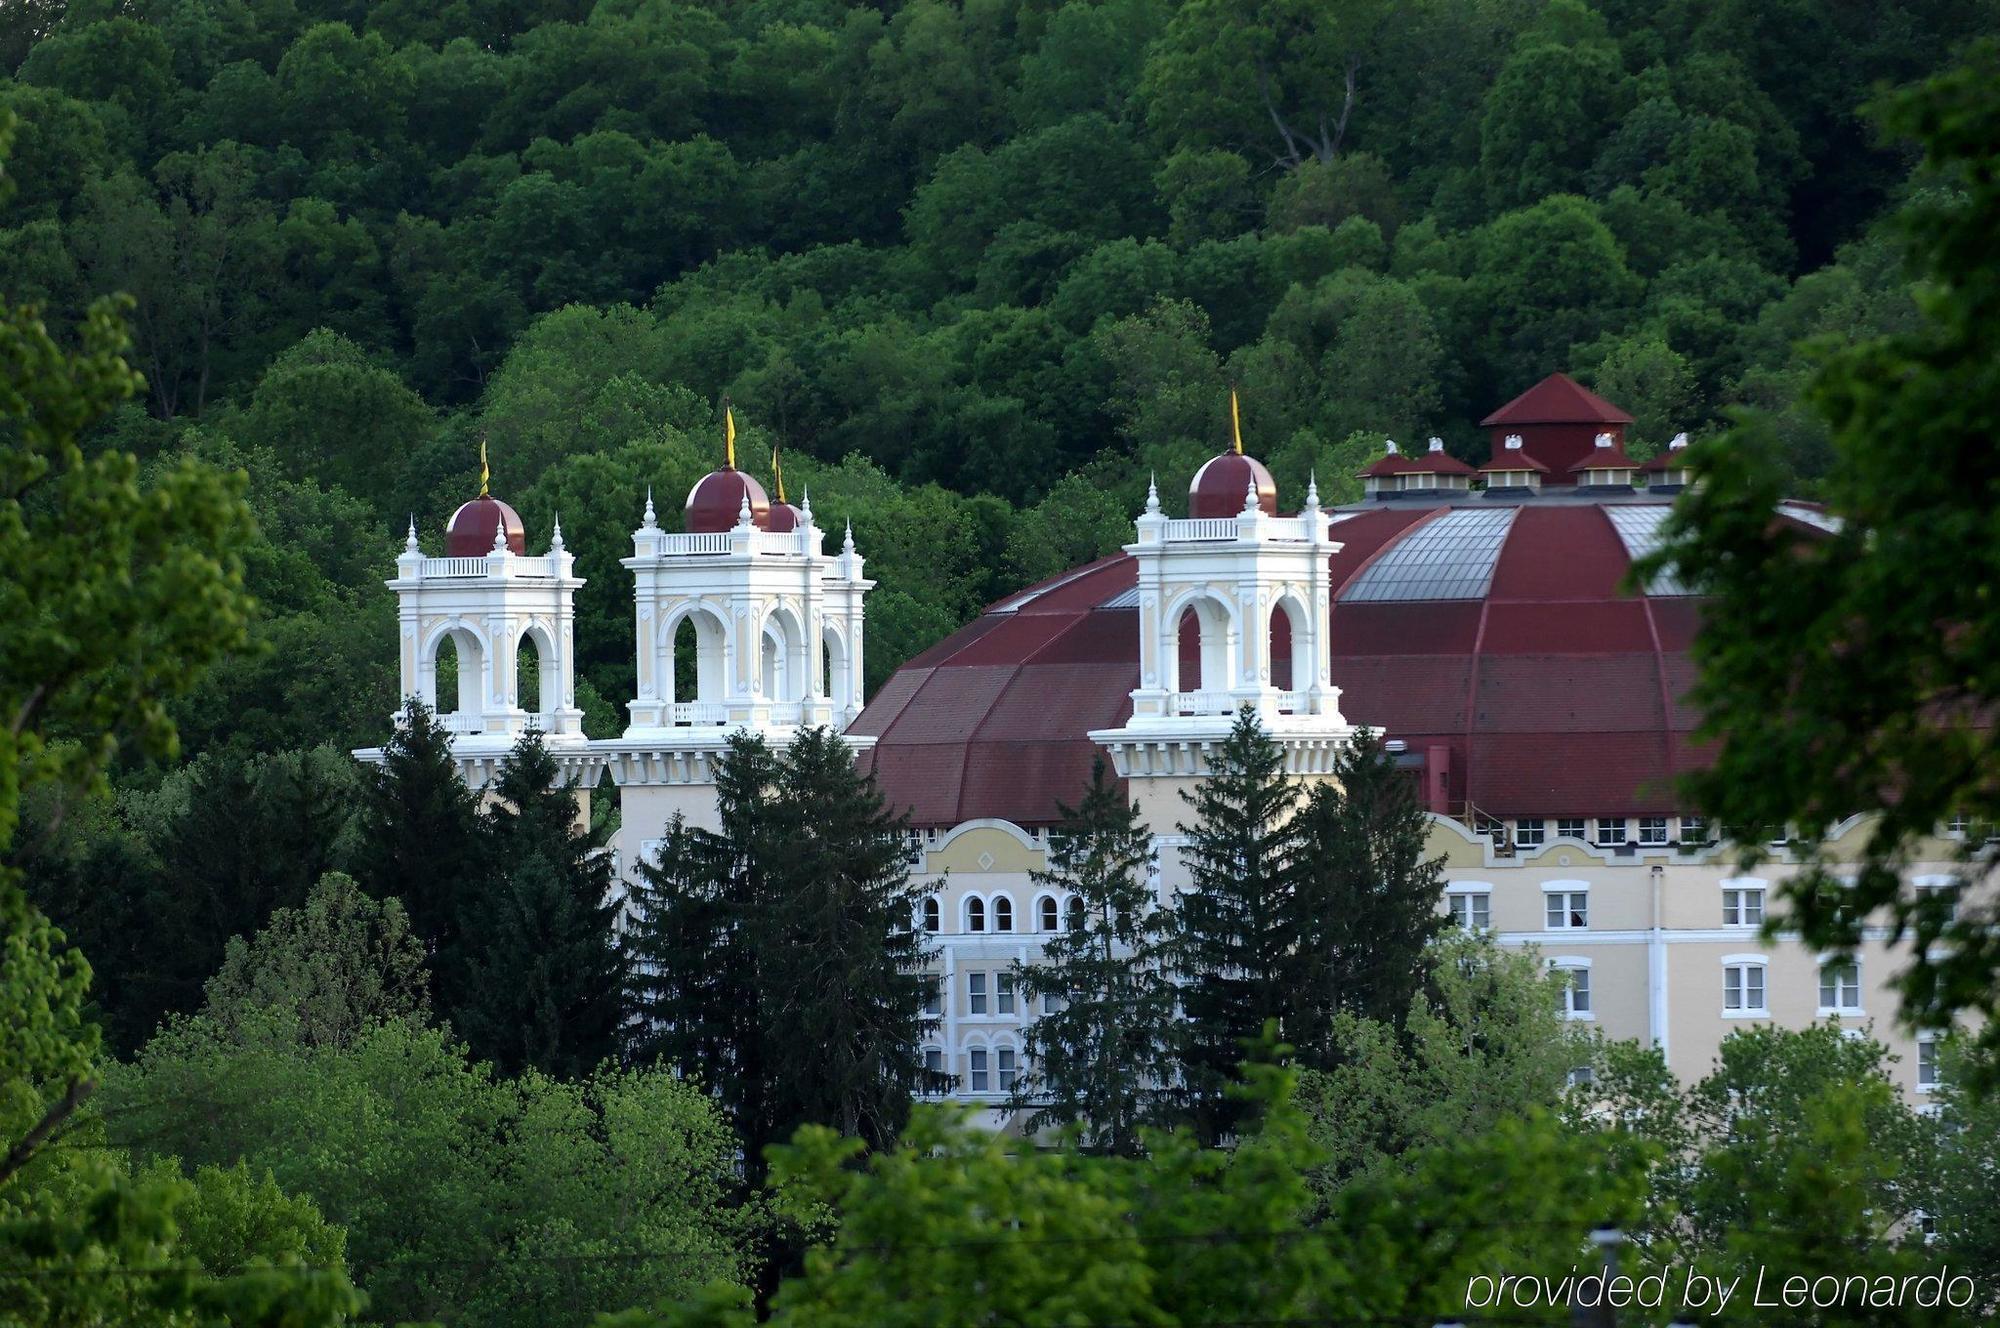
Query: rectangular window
{"type": "Point", "coordinates": [1530, 834]}
{"type": "Point", "coordinates": [975, 1061]}
{"type": "Point", "coordinates": [933, 1004]}
{"type": "Point", "coordinates": [1003, 992]}
{"type": "Point", "coordinates": [1569, 827]}
{"type": "Point", "coordinates": [1958, 825]}
{"type": "Point", "coordinates": [1652, 829]}
{"type": "Point", "coordinates": [1005, 1056]}
{"type": "Point", "coordinates": [1610, 830]}
{"type": "Point", "coordinates": [1471, 910]}
{"type": "Point", "coordinates": [1583, 1076]}
{"type": "Point", "coordinates": [1840, 988]}
{"type": "Point", "coordinates": [1927, 1068]}
{"type": "Point", "coordinates": [975, 993]}
{"type": "Point", "coordinates": [1743, 906]}
{"type": "Point", "coordinates": [1694, 830]}
{"type": "Point", "coordinates": [1053, 1004]}
{"type": "Point", "coordinates": [1743, 989]}
{"type": "Point", "coordinates": [1575, 1000]}
{"type": "Point", "coordinates": [1566, 909]}
{"type": "Point", "coordinates": [933, 1060]}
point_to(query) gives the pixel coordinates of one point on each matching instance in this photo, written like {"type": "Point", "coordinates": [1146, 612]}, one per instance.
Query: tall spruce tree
{"type": "Point", "coordinates": [776, 959]}
{"type": "Point", "coordinates": [1098, 1055]}
{"type": "Point", "coordinates": [1233, 948]}
{"type": "Point", "coordinates": [694, 923]}
{"type": "Point", "coordinates": [1365, 908]}
{"type": "Point", "coordinates": [422, 842]}
{"type": "Point", "coordinates": [545, 968]}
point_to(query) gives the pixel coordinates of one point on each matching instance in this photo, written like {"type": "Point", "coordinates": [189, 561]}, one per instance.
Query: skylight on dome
{"type": "Point", "coordinates": [1451, 557]}
{"type": "Point", "coordinates": [1639, 527]}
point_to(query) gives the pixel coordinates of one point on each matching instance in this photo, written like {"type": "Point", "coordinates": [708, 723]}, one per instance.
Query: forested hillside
{"type": "Point", "coordinates": [976, 267]}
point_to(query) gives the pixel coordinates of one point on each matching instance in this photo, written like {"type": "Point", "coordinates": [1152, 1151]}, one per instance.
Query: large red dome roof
{"type": "Point", "coordinates": [1219, 487]}
{"type": "Point", "coordinates": [1496, 631]}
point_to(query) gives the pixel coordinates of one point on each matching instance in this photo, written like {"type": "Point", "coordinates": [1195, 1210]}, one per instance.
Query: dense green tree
{"type": "Point", "coordinates": [1098, 1054]}
{"type": "Point", "coordinates": [325, 411]}
{"type": "Point", "coordinates": [1232, 950]}
{"type": "Point", "coordinates": [1482, 1043]}
{"type": "Point", "coordinates": [326, 970]}
{"type": "Point", "coordinates": [1364, 909]}
{"type": "Point", "coordinates": [1857, 689]}
{"type": "Point", "coordinates": [544, 968]}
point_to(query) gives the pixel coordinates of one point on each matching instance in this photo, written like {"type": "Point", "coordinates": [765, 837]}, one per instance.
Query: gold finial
{"type": "Point", "coordinates": [1235, 422]}
{"type": "Point", "coordinates": [778, 471]}
{"type": "Point", "coordinates": [485, 471]}
{"type": "Point", "coordinates": [729, 431]}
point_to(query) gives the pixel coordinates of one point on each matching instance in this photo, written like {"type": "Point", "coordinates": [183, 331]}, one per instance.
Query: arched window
{"type": "Point", "coordinates": [1281, 648]}
{"type": "Point", "coordinates": [450, 697]}
{"type": "Point", "coordinates": [933, 914]}
{"type": "Point", "coordinates": [1051, 919]}
{"type": "Point", "coordinates": [528, 674]}
{"type": "Point", "coordinates": [687, 654]}
{"type": "Point", "coordinates": [975, 914]}
{"type": "Point", "coordinates": [1003, 913]}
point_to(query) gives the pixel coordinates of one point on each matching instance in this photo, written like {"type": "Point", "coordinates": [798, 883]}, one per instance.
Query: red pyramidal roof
{"type": "Point", "coordinates": [1557, 399]}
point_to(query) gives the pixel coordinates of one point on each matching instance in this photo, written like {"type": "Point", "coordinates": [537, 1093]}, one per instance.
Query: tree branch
{"type": "Point", "coordinates": [1291, 157]}
{"type": "Point", "coordinates": [18, 1156]}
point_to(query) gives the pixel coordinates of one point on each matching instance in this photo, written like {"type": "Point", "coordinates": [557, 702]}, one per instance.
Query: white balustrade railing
{"type": "Point", "coordinates": [437, 569]}
{"type": "Point", "coordinates": [1190, 529]}
{"type": "Point", "coordinates": [700, 542]}
{"type": "Point", "coordinates": [1204, 703]}
{"type": "Point", "coordinates": [1292, 703]}
{"type": "Point", "coordinates": [458, 721]}
{"type": "Point", "coordinates": [698, 713]}
{"type": "Point", "coordinates": [784, 541]}
{"type": "Point", "coordinates": [788, 712]}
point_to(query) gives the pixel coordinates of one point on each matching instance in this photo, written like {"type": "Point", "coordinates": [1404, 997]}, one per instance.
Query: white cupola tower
{"type": "Point", "coordinates": [1233, 611]}
{"type": "Point", "coordinates": [744, 623]}
{"type": "Point", "coordinates": [508, 621]}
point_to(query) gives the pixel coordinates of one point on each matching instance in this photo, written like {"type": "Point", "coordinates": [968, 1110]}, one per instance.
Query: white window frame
{"type": "Point", "coordinates": [1048, 914]}
{"type": "Point", "coordinates": [1653, 832]}
{"type": "Point", "coordinates": [1760, 962]}
{"type": "Point", "coordinates": [1581, 832]}
{"type": "Point", "coordinates": [930, 915]}
{"type": "Point", "coordinates": [1000, 912]}
{"type": "Point", "coordinates": [1531, 832]}
{"type": "Point", "coordinates": [1006, 1067]}
{"type": "Point", "coordinates": [1944, 882]}
{"type": "Point", "coordinates": [1836, 1009]}
{"type": "Point", "coordinates": [1569, 890]}
{"type": "Point", "coordinates": [1694, 829]}
{"type": "Point", "coordinates": [1004, 992]}
{"type": "Point", "coordinates": [1927, 1045]}
{"type": "Point", "coordinates": [1742, 886]}
{"type": "Point", "coordinates": [1574, 964]}
{"type": "Point", "coordinates": [975, 993]}
{"type": "Point", "coordinates": [934, 1054]}
{"type": "Point", "coordinates": [972, 914]}
{"type": "Point", "coordinates": [1469, 892]}
{"type": "Point", "coordinates": [978, 1074]}
{"type": "Point", "coordinates": [1613, 831]}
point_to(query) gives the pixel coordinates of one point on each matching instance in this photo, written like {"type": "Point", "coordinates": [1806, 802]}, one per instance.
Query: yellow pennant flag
{"type": "Point", "coordinates": [485, 472]}
{"type": "Point", "coordinates": [1235, 423]}
{"type": "Point", "coordinates": [778, 472]}
{"type": "Point", "coordinates": [729, 431]}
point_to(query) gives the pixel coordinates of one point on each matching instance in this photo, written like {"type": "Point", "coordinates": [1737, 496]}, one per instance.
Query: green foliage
{"type": "Point", "coordinates": [777, 958]}
{"type": "Point", "coordinates": [1860, 688]}
{"type": "Point", "coordinates": [1232, 950]}
{"type": "Point", "coordinates": [1182, 1235]}
{"type": "Point", "coordinates": [1099, 1050]}
{"type": "Point", "coordinates": [544, 969]}
{"type": "Point", "coordinates": [465, 1197]}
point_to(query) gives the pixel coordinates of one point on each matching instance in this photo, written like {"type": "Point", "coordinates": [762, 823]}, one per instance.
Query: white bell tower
{"type": "Point", "coordinates": [494, 609]}
{"type": "Point", "coordinates": [1233, 611]}
{"type": "Point", "coordinates": [750, 627]}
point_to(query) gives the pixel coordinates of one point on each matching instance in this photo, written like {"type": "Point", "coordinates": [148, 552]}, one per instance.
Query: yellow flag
{"type": "Point", "coordinates": [1235, 423]}
{"type": "Point", "coordinates": [729, 431]}
{"type": "Point", "coordinates": [485, 473]}
{"type": "Point", "coordinates": [778, 472]}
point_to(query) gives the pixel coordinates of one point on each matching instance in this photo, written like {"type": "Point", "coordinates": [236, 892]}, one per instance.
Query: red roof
{"type": "Point", "coordinates": [1674, 458]}
{"type": "Point", "coordinates": [1439, 462]}
{"type": "Point", "coordinates": [1552, 693]}
{"type": "Point", "coordinates": [1389, 463]}
{"type": "Point", "coordinates": [1219, 487]}
{"type": "Point", "coordinates": [1516, 459]}
{"type": "Point", "coordinates": [1557, 399]}
{"type": "Point", "coordinates": [715, 503]}
{"type": "Point", "coordinates": [1604, 458]}
{"type": "Point", "coordinates": [469, 533]}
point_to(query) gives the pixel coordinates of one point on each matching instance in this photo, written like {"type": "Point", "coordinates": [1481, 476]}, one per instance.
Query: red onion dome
{"type": "Point", "coordinates": [717, 498]}
{"type": "Point", "coordinates": [785, 517]}
{"type": "Point", "coordinates": [469, 533]}
{"type": "Point", "coordinates": [1220, 484]}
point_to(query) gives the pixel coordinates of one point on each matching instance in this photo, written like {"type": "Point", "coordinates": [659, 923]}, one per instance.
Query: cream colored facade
{"type": "Point", "coordinates": [1655, 939]}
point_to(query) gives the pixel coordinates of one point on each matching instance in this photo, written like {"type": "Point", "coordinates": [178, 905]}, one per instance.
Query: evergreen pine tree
{"type": "Point", "coordinates": [692, 925]}
{"type": "Point", "coordinates": [844, 962]}
{"type": "Point", "coordinates": [1099, 1056]}
{"type": "Point", "coordinates": [774, 958]}
{"type": "Point", "coordinates": [1365, 910]}
{"type": "Point", "coordinates": [422, 842]}
{"type": "Point", "coordinates": [1232, 943]}
{"type": "Point", "coordinates": [545, 968]}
